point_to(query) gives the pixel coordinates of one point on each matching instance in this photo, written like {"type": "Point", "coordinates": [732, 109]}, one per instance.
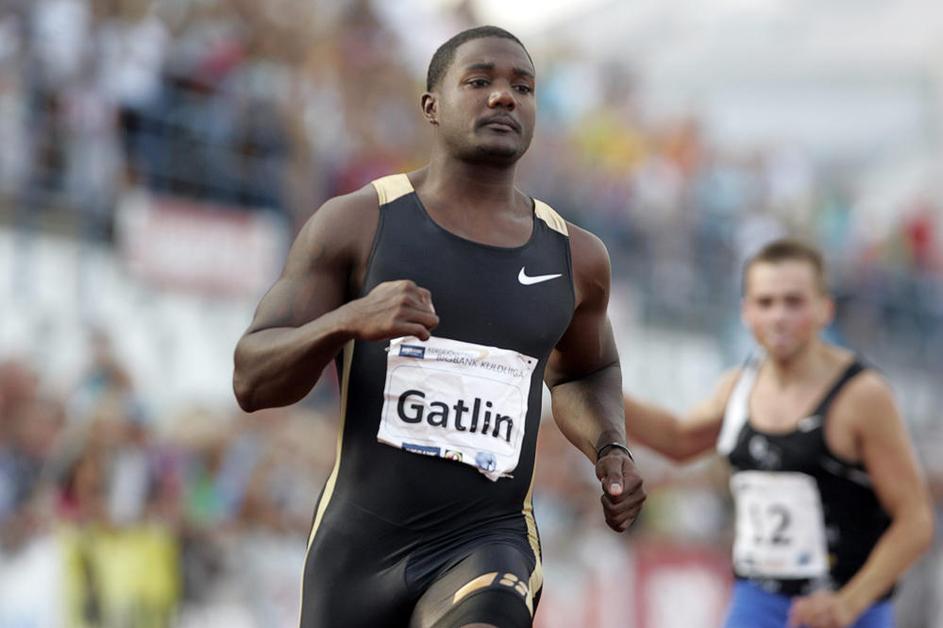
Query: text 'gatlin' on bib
{"type": "Point", "coordinates": [456, 400]}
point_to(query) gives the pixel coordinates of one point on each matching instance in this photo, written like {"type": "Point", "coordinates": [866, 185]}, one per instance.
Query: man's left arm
{"type": "Point", "coordinates": [585, 382]}
{"type": "Point", "coordinates": [889, 458]}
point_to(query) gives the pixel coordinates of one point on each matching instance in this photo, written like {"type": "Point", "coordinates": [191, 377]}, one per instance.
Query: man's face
{"type": "Point", "coordinates": [484, 105]}
{"type": "Point", "coordinates": [784, 307]}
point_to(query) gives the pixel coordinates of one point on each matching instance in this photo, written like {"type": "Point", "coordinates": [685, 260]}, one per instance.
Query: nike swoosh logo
{"type": "Point", "coordinates": [527, 280]}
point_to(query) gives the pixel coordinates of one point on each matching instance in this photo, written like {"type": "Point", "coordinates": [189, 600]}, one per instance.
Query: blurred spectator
{"type": "Point", "coordinates": [29, 428]}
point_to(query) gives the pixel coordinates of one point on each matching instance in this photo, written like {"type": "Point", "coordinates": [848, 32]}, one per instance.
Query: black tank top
{"type": "Point", "coordinates": [854, 519]}
{"type": "Point", "coordinates": [482, 294]}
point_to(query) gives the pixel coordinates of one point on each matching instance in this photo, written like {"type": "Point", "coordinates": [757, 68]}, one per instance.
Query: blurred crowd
{"type": "Point", "coordinates": [274, 107]}
{"type": "Point", "coordinates": [257, 105]}
{"type": "Point", "coordinates": [277, 106]}
{"type": "Point", "coordinates": [149, 518]}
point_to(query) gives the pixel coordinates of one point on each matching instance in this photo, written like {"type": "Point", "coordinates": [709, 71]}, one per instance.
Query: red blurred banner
{"type": "Point", "coordinates": [190, 245]}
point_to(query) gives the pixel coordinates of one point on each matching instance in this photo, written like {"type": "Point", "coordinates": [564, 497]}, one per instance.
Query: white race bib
{"type": "Point", "coordinates": [780, 526]}
{"type": "Point", "coordinates": [457, 400]}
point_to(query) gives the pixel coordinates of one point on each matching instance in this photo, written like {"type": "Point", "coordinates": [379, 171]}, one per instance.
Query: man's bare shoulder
{"type": "Point", "coordinates": [592, 271]}
{"type": "Point", "coordinates": [342, 221]}
{"type": "Point", "coordinates": [865, 410]}
{"type": "Point", "coordinates": [348, 208]}
{"type": "Point", "coordinates": [338, 235]}
{"type": "Point", "coordinates": [726, 382]}
{"type": "Point", "coordinates": [587, 249]}
{"type": "Point", "coordinates": [867, 396]}
{"type": "Point", "coordinates": [712, 407]}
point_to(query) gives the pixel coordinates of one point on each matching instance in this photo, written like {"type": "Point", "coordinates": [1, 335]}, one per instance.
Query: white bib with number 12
{"type": "Point", "coordinates": [780, 526]}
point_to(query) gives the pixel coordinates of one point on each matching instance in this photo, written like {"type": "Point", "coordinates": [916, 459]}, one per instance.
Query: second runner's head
{"type": "Point", "coordinates": [480, 96]}
{"type": "Point", "coordinates": [786, 303]}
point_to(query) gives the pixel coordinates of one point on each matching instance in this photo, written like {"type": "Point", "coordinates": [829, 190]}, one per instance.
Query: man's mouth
{"type": "Point", "coordinates": [501, 123]}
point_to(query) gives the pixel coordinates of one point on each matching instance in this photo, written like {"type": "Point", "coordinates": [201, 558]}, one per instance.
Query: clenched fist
{"type": "Point", "coordinates": [393, 309]}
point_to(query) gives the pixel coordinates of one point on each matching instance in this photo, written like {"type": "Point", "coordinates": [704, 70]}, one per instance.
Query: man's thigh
{"type": "Point", "coordinates": [491, 585]}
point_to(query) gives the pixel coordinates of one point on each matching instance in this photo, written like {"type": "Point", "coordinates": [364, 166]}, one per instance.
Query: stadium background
{"type": "Point", "coordinates": [156, 158]}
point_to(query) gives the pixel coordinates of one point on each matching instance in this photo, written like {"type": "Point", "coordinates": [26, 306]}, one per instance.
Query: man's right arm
{"type": "Point", "coordinates": [679, 438]}
{"type": "Point", "coordinates": [309, 314]}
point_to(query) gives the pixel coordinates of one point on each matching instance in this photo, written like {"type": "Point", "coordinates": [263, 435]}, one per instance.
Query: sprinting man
{"type": "Point", "coordinates": [446, 296]}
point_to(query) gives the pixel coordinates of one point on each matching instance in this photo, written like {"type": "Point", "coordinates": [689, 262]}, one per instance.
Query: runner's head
{"type": "Point", "coordinates": [480, 96]}
{"type": "Point", "coordinates": [785, 297]}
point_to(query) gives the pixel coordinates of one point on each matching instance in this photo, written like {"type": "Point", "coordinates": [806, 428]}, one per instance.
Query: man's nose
{"type": "Point", "coordinates": [779, 312]}
{"type": "Point", "coordinates": [501, 96]}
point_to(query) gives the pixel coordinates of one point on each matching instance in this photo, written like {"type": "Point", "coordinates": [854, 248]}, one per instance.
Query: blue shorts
{"type": "Point", "coordinates": [752, 607]}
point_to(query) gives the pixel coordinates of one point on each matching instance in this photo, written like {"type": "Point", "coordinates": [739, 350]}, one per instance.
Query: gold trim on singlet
{"type": "Point", "coordinates": [392, 187]}
{"type": "Point", "coordinates": [551, 217]}
{"type": "Point", "coordinates": [536, 580]}
{"type": "Point", "coordinates": [332, 479]}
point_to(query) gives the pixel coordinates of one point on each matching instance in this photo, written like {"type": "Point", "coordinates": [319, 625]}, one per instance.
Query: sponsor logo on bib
{"type": "Point", "coordinates": [421, 449]}
{"type": "Point", "coordinates": [412, 351]}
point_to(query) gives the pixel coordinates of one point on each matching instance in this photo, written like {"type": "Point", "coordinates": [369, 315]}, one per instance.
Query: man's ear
{"type": "Point", "coordinates": [429, 102]}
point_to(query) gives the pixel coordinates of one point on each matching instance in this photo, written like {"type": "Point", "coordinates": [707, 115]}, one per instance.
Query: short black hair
{"type": "Point", "coordinates": [444, 56]}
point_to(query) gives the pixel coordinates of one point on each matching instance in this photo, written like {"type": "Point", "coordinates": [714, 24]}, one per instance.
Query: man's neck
{"type": "Point", "coordinates": [809, 364]}
{"type": "Point", "coordinates": [483, 186]}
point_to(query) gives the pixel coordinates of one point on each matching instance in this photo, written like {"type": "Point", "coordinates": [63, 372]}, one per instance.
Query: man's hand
{"type": "Point", "coordinates": [822, 609]}
{"type": "Point", "coordinates": [622, 492]}
{"type": "Point", "coordinates": [393, 309]}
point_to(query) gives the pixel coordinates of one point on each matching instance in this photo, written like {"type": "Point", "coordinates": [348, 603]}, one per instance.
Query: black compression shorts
{"type": "Point", "coordinates": [364, 572]}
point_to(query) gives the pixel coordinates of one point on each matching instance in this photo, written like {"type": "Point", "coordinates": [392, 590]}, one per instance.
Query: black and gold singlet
{"type": "Point", "coordinates": [392, 522]}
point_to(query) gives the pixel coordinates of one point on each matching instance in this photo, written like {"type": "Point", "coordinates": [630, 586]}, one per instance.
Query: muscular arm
{"type": "Point", "coordinates": [887, 454]}
{"type": "Point", "coordinates": [585, 382]}
{"type": "Point", "coordinates": [299, 326]}
{"type": "Point", "coordinates": [867, 408]}
{"type": "Point", "coordinates": [680, 438]}
{"type": "Point", "coordinates": [310, 313]}
{"type": "Point", "coordinates": [583, 372]}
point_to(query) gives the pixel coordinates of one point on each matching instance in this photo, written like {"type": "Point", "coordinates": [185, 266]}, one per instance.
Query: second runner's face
{"type": "Point", "coordinates": [783, 307]}
{"type": "Point", "coordinates": [486, 105]}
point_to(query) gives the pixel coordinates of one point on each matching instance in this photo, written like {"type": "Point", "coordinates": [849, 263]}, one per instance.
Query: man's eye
{"type": "Point", "coordinates": [524, 89]}
{"type": "Point", "coordinates": [478, 83]}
